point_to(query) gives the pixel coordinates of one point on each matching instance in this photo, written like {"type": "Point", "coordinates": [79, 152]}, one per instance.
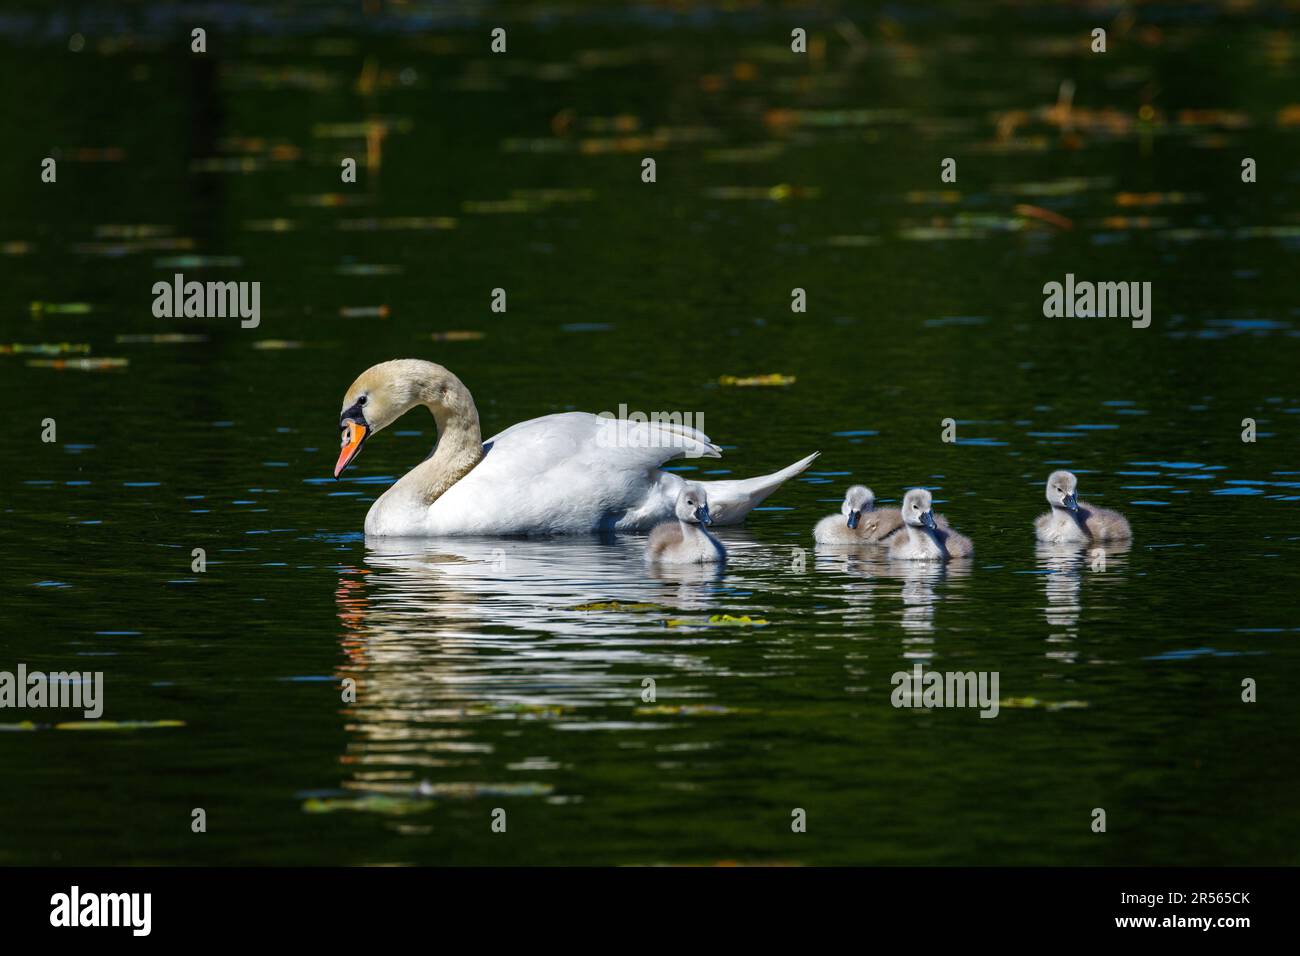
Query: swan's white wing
{"type": "Point", "coordinates": [567, 473]}
{"type": "Point", "coordinates": [612, 441]}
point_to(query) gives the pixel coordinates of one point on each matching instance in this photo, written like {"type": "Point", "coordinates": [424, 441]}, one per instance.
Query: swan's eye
{"type": "Point", "coordinates": [361, 400]}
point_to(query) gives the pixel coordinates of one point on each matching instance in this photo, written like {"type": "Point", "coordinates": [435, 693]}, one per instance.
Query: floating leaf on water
{"type": "Point", "coordinates": [770, 379]}
{"type": "Point", "coordinates": [1033, 703]}
{"type": "Point", "coordinates": [938, 233]}
{"type": "Point", "coordinates": [160, 338]}
{"type": "Point", "coordinates": [924, 196]}
{"type": "Point", "coordinates": [1268, 232]}
{"type": "Point", "coordinates": [118, 724]}
{"type": "Point", "coordinates": [80, 365]}
{"type": "Point", "coordinates": [782, 119]}
{"type": "Point", "coordinates": [45, 348]}
{"type": "Point", "coordinates": [761, 153]}
{"type": "Point", "coordinates": [495, 207]}
{"type": "Point", "coordinates": [360, 130]}
{"type": "Point", "coordinates": [556, 195]}
{"type": "Point", "coordinates": [457, 335]}
{"type": "Point", "coordinates": [198, 262]}
{"type": "Point", "coordinates": [690, 710]}
{"type": "Point", "coordinates": [271, 225]}
{"type": "Point", "coordinates": [16, 247]}
{"type": "Point", "coordinates": [256, 145]}
{"type": "Point", "coordinates": [779, 193]}
{"type": "Point", "coordinates": [1044, 215]}
{"type": "Point", "coordinates": [276, 345]}
{"type": "Point", "coordinates": [398, 223]}
{"type": "Point", "coordinates": [616, 606]}
{"type": "Point", "coordinates": [61, 308]}
{"type": "Point", "coordinates": [1154, 199]}
{"type": "Point", "coordinates": [717, 620]}
{"type": "Point", "coordinates": [364, 312]}
{"type": "Point", "coordinates": [1223, 119]}
{"type": "Point", "coordinates": [372, 803]}
{"type": "Point", "coordinates": [1068, 186]}
{"type": "Point", "coordinates": [330, 200]}
{"type": "Point", "coordinates": [1133, 222]}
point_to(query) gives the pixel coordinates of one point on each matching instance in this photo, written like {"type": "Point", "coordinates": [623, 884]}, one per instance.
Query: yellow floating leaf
{"type": "Point", "coordinates": [614, 606]}
{"type": "Point", "coordinates": [689, 710]}
{"type": "Point", "coordinates": [773, 378]}
{"type": "Point", "coordinates": [44, 348]}
{"type": "Point", "coordinates": [118, 724]}
{"type": "Point", "coordinates": [80, 365]}
{"type": "Point", "coordinates": [1033, 703]}
{"type": "Point", "coordinates": [457, 335]}
{"type": "Point", "coordinates": [717, 620]}
{"type": "Point", "coordinates": [61, 308]}
{"type": "Point", "coordinates": [364, 312]}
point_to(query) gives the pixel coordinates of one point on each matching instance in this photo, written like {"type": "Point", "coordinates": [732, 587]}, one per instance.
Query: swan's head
{"type": "Point", "coordinates": [858, 499]}
{"type": "Point", "coordinates": [693, 505]}
{"type": "Point", "coordinates": [916, 509]}
{"type": "Point", "coordinates": [1062, 490]}
{"type": "Point", "coordinates": [385, 392]}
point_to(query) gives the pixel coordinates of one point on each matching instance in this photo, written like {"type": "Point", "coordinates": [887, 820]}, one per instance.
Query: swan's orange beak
{"type": "Point", "coordinates": [354, 436]}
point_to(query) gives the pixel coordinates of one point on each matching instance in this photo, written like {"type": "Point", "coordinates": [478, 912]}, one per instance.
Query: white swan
{"type": "Point", "coordinates": [926, 536]}
{"type": "Point", "coordinates": [1072, 521]}
{"type": "Point", "coordinates": [686, 540]}
{"type": "Point", "coordinates": [560, 474]}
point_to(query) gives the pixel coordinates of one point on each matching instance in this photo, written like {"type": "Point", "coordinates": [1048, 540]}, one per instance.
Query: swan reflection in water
{"type": "Point", "coordinates": [446, 638]}
{"type": "Point", "coordinates": [872, 574]}
{"type": "Point", "coordinates": [1065, 566]}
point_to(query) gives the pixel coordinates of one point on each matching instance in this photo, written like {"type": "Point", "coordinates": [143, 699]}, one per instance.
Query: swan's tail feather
{"type": "Point", "coordinates": [730, 501]}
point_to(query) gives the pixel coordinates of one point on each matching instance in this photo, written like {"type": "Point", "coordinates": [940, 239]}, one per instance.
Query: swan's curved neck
{"type": "Point", "coordinates": [460, 442]}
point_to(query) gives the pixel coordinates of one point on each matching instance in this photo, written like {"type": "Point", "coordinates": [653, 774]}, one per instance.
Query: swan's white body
{"type": "Point", "coordinates": [569, 473]}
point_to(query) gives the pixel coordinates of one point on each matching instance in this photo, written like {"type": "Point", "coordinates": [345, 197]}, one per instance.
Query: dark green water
{"type": "Point", "coordinates": [481, 683]}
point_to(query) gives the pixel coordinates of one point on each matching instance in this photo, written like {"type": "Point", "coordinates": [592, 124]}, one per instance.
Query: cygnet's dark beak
{"type": "Point", "coordinates": [702, 515]}
{"type": "Point", "coordinates": [853, 518]}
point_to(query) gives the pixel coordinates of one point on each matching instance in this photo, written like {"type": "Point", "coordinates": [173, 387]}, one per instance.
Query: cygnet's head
{"type": "Point", "coordinates": [857, 499]}
{"type": "Point", "coordinates": [916, 509]}
{"type": "Point", "coordinates": [693, 505]}
{"type": "Point", "coordinates": [1062, 490]}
